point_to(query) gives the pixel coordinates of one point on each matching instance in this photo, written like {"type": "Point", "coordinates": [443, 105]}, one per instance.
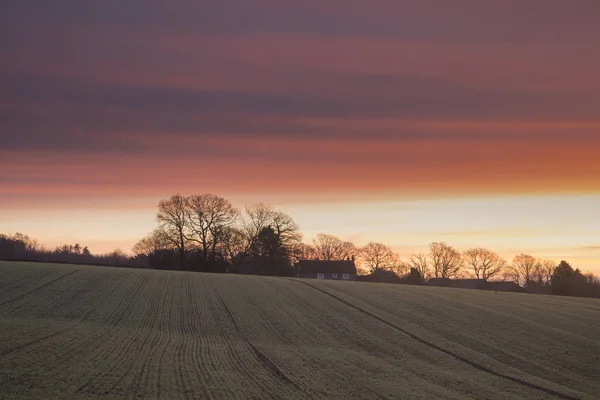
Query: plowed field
{"type": "Point", "coordinates": [85, 332]}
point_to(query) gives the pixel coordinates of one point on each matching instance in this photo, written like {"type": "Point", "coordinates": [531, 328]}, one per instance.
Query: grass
{"type": "Point", "coordinates": [85, 332]}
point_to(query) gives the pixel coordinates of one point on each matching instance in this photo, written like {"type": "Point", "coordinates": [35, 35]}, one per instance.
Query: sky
{"type": "Point", "coordinates": [405, 122]}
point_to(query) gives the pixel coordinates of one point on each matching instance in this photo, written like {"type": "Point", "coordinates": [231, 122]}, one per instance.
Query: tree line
{"type": "Point", "coordinates": [205, 232]}
{"type": "Point", "coordinates": [22, 247]}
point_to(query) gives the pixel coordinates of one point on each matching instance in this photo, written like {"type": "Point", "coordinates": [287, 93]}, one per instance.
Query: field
{"type": "Point", "coordinates": [85, 332]}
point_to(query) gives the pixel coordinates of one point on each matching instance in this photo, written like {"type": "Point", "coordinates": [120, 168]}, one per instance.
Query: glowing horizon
{"type": "Point", "coordinates": [509, 225]}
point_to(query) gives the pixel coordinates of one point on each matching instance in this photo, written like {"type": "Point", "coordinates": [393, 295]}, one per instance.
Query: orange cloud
{"type": "Point", "coordinates": [291, 166]}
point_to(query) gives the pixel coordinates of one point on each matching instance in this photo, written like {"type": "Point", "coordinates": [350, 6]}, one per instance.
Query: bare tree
{"type": "Point", "coordinates": [304, 251]}
{"type": "Point", "coordinates": [157, 240]}
{"type": "Point", "coordinates": [329, 247]}
{"type": "Point", "coordinates": [286, 229]}
{"type": "Point", "coordinates": [30, 243]}
{"type": "Point", "coordinates": [445, 260]}
{"type": "Point", "coordinates": [523, 269]}
{"type": "Point", "coordinates": [547, 267]}
{"type": "Point", "coordinates": [538, 274]}
{"type": "Point", "coordinates": [400, 268]}
{"type": "Point", "coordinates": [257, 217]}
{"type": "Point", "coordinates": [209, 215]}
{"type": "Point", "coordinates": [173, 218]}
{"type": "Point", "coordinates": [377, 256]}
{"type": "Point", "coordinates": [232, 241]}
{"type": "Point", "coordinates": [483, 263]}
{"type": "Point", "coordinates": [421, 264]}
{"type": "Point", "coordinates": [116, 257]}
{"type": "Point", "coordinates": [144, 247]}
{"type": "Point", "coordinates": [325, 246]}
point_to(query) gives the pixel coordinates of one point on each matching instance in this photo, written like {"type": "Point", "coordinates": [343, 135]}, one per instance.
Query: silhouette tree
{"type": "Point", "coordinates": [143, 247]}
{"type": "Point", "coordinates": [329, 247]}
{"type": "Point", "coordinates": [155, 241]}
{"type": "Point", "coordinates": [30, 244]}
{"type": "Point", "coordinates": [12, 247]}
{"type": "Point", "coordinates": [377, 256]}
{"type": "Point", "coordinates": [259, 216]}
{"type": "Point", "coordinates": [414, 277]}
{"type": "Point", "coordinates": [232, 242]}
{"type": "Point", "coordinates": [382, 275]}
{"type": "Point", "coordinates": [540, 278]}
{"type": "Point", "coordinates": [164, 259]}
{"type": "Point", "coordinates": [400, 268]}
{"type": "Point", "coordinates": [209, 215]}
{"type": "Point", "coordinates": [116, 257]}
{"type": "Point", "coordinates": [483, 263]}
{"type": "Point", "coordinates": [523, 269]}
{"type": "Point", "coordinates": [268, 254]}
{"type": "Point", "coordinates": [173, 217]}
{"type": "Point", "coordinates": [547, 270]}
{"type": "Point", "coordinates": [421, 264]}
{"type": "Point", "coordinates": [286, 229]}
{"type": "Point", "coordinates": [304, 251]}
{"type": "Point", "coordinates": [592, 286]}
{"type": "Point", "coordinates": [568, 282]}
{"type": "Point", "coordinates": [446, 261]}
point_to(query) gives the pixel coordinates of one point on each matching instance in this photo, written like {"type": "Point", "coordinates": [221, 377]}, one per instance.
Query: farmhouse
{"type": "Point", "coordinates": [323, 269]}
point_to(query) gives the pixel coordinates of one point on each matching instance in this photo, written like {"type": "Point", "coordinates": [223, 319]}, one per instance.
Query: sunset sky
{"type": "Point", "coordinates": [472, 122]}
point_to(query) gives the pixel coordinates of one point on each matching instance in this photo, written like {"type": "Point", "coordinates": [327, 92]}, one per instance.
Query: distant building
{"type": "Point", "coordinates": [481, 284]}
{"type": "Point", "coordinates": [323, 269]}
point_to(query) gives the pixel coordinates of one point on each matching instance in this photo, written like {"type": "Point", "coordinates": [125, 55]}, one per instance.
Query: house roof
{"type": "Point", "coordinates": [325, 266]}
